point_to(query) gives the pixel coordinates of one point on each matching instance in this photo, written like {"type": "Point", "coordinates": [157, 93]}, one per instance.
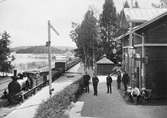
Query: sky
{"type": "Point", "coordinates": [26, 20]}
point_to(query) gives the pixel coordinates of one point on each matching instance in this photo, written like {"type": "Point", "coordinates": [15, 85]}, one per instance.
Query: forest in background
{"type": "Point", "coordinates": [41, 49]}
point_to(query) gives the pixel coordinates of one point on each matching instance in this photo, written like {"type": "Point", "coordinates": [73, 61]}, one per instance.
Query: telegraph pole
{"type": "Point", "coordinates": [49, 60]}
{"type": "Point", "coordinates": [48, 44]}
{"type": "Point", "coordinates": [131, 48]}
{"type": "Point", "coordinates": [143, 65]}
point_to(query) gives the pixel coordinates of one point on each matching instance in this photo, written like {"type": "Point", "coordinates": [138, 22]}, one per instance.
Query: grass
{"type": "Point", "coordinates": [55, 106]}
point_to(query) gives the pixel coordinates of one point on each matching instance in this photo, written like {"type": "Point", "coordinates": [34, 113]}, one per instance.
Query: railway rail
{"type": "Point", "coordinates": [5, 82]}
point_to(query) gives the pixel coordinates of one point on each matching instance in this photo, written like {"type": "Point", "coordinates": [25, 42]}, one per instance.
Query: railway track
{"type": "Point", "coordinates": [4, 82]}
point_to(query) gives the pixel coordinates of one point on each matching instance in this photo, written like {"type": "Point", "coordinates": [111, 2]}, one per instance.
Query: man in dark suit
{"type": "Point", "coordinates": [95, 81]}
{"type": "Point", "coordinates": [86, 78]}
{"type": "Point", "coordinates": [125, 80]}
{"type": "Point", "coordinates": [109, 82]}
{"type": "Point", "coordinates": [119, 80]}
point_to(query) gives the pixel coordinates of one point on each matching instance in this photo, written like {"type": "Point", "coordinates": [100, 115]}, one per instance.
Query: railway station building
{"type": "Point", "coordinates": [144, 55]}
{"type": "Point", "coordinates": [104, 66]}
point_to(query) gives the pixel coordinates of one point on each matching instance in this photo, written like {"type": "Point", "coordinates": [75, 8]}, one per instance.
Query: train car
{"type": "Point", "coordinates": [64, 65]}
{"type": "Point", "coordinates": [60, 66]}
{"type": "Point", "coordinates": [35, 78]}
{"type": "Point", "coordinates": [71, 62]}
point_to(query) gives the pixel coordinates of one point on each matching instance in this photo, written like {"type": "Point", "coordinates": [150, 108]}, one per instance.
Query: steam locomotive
{"type": "Point", "coordinates": [32, 79]}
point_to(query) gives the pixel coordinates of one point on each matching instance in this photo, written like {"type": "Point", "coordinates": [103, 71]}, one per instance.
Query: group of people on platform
{"type": "Point", "coordinates": [122, 79]}
{"type": "Point", "coordinates": [95, 81]}
{"type": "Point", "coordinates": [132, 91]}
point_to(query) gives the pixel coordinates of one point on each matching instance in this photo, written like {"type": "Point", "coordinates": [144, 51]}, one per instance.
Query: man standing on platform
{"type": "Point", "coordinates": [119, 80]}
{"type": "Point", "coordinates": [86, 78]}
{"type": "Point", "coordinates": [109, 82]}
{"type": "Point", "coordinates": [125, 80]}
{"type": "Point", "coordinates": [95, 81]}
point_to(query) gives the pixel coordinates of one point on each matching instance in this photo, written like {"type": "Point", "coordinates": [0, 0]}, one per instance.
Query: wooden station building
{"type": "Point", "coordinates": [145, 55]}
{"type": "Point", "coordinates": [104, 66]}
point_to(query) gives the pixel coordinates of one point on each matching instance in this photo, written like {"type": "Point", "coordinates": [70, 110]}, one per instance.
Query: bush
{"type": "Point", "coordinates": [55, 106]}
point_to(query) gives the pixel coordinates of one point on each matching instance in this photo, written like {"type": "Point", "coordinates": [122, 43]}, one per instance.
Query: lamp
{"type": "Point", "coordinates": [131, 51]}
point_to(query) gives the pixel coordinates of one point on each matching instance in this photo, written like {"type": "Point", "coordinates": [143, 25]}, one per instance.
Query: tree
{"type": "Point", "coordinates": [109, 26]}
{"type": "Point", "coordinates": [5, 58]}
{"type": "Point", "coordinates": [126, 4]}
{"type": "Point", "coordinates": [136, 5]}
{"type": "Point", "coordinates": [123, 23]}
{"type": "Point", "coordinates": [85, 36]}
{"type": "Point", "coordinates": [162, 4]}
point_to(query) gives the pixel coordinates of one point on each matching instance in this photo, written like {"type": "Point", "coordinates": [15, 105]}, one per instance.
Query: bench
{"type": "Point", "coordinates": [144, 96]}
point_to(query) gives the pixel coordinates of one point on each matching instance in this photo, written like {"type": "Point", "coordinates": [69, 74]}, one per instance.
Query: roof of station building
{"type": "Point", "coordinates": [104, 60]}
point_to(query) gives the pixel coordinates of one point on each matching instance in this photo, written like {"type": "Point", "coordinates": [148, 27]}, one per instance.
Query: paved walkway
{"type": "Point", "coordinates": [29, 107]}
{"type": "Point", "coordinates": [113, 105]}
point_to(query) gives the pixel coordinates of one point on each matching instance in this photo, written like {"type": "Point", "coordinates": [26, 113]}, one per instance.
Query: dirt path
{"type": "Point", "coordinates": [113, 106]}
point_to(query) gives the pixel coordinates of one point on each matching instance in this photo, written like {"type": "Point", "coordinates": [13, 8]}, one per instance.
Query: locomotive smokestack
{"type": "Point", "coordinates": [15, 73]}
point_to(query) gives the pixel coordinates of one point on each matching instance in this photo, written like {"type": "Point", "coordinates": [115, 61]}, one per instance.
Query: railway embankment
{"type": "Point", "coordinates": [56, 106]}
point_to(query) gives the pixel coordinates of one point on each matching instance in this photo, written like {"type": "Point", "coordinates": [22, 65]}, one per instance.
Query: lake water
{"type": "Point", "coordinates": [24, 62]}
